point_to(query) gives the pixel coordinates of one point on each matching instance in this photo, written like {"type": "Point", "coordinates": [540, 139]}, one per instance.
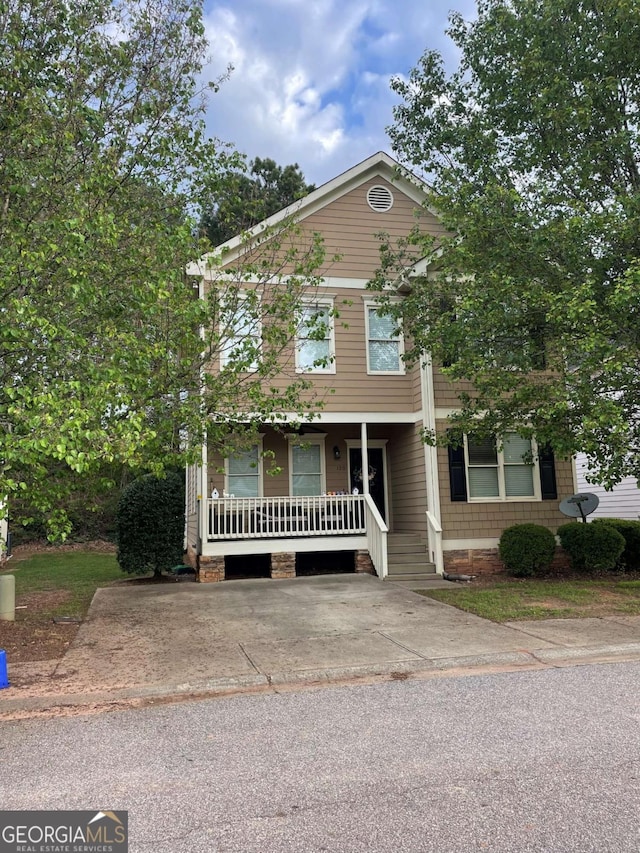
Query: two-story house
{"type": "Point", "coordinates": [358, 480]}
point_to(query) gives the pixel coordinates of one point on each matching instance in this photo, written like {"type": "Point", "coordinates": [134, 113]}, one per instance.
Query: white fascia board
{"type": "Point", "coordinates": [313, 418]}
{"type": "Point", "coordinates": [260, 545]}
{"type": "Point", "coordinates": [359, 417]}
{"type": "Point", "coordinates": [378, 164]}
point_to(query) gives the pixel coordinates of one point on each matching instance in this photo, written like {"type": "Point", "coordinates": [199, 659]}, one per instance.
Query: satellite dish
{"type": "Point", "coordinates": [580, 506]}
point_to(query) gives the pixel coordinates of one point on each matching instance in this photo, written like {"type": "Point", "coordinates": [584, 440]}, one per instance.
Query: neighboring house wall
{"type": "Point", "coordinates": [623, 501]}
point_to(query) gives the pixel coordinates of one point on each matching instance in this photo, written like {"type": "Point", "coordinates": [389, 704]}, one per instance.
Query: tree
{"type": "Point", "coordinates": [247, 197]}
{"type": "Point", "coordinates": [531, 150]}
{"type": "Point", "coordinates": [104, 163]}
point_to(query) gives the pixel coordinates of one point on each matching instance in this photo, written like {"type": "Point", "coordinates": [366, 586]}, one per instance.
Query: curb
{"type": "Point", "coordinates": [122, 698]}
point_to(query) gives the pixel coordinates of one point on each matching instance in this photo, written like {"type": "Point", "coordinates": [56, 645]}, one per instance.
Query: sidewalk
{"type": "Point", "coordinates": [154, 643]}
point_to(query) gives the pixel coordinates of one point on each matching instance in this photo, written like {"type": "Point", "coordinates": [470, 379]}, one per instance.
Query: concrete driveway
{"type": "Point", "coordinates": [191, 635]}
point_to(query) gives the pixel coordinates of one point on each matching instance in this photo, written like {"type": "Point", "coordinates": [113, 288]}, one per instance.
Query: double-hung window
{"type": "Point", "coordinates": [384, 344]}
{"type": "Point", "coordinates": [501, 473]}
{"type": "Point", "coordinates": [315, 338]}
{"type": "Point", "coordinates": [244, 473]}
{"type": "Point", "coordinates": [240, 332]}
{"type": "Point", "coordinates": [306, 466]}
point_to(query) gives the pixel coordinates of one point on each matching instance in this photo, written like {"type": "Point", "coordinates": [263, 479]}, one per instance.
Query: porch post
{"type": "Point", "coordinates": [365, 458]}
{"type": "Point", "coordinates": [203, 488]}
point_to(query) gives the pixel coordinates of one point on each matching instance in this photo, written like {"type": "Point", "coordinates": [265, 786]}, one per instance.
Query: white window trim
{"type": "Point", "coordinates": [331, 366]}
{"type": "Point", "coordinates": [400, 339]}
{"type": "Point", "coordinates": [502, 489]}
{"type": "Point", "coordinates": [296, 440]}
{"type": "Point", "coordinates": [225, 350]}
{"type": "Point", "coordinates": [259, 444]}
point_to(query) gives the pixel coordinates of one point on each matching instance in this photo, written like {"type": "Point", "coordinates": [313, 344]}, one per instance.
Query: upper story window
{"type": "Point", "coordinates": [240, 332]}
{"type": "Point", "coordinates": [315, 344]}
{"type": "Point", "coordinates": [384, 345]}
{"type": "Point", "coordinates": [243, 473]}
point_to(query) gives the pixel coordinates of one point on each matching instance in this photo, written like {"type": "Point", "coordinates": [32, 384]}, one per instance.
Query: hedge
{"type": "Point", "coordinates": [527, 549]}
{"type": "Point", "coordinates": [630, 531]}
{"type": "Point", "coordinates": [591, 547]}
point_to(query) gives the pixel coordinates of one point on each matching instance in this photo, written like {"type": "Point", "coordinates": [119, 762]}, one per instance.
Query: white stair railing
{"type": "Point", "coordinates": [376, 537]}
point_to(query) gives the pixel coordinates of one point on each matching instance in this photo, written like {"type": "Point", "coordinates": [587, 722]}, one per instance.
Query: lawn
{"type": "Point", "coordinates": [507, 599]}
{"type": "Point", "coordinates": [51, 585]}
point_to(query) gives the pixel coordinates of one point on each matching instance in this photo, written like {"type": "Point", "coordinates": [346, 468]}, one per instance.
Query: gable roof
{"type": "Point", "coordinates": [378, 165]}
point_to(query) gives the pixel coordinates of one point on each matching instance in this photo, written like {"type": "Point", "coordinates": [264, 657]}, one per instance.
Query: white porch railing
{"type": "Point", "coordinates": [270, 518]}
{"type": "Point", "coordinates": [376, 537]}
{"type": "Point", "coordinates": [434, 533]}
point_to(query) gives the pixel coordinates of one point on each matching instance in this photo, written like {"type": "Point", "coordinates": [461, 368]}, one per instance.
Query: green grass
{"type": "Point", "coordinates": [512, 600]}
{"type": "Point", "coordinates": [76, 575]}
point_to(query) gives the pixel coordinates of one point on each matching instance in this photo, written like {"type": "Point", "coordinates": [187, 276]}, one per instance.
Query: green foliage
{"type": "Point", "coordinates": [527, 549]}
{"type": "Point", "coordinates": [104, 163]}
{"type": "Point", "coordinates": [531, 152]}
{"type": "Point", "coordinates": [591, 547]}
{"type": "Point", "coordinates": [151, 524]}
{"type": "Point", "coordinates": [246, 197]}
{"type": "Point", "coordinates": [630, 530]}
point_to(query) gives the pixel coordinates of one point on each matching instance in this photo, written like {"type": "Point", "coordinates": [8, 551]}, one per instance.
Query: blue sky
{"type": "Point", "coordinates": [311, 77]}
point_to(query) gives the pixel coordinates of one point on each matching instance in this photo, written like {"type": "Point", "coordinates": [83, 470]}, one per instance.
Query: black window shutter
{"type": "Point", "coordinates": [547, 473]}
{"type": "Point", "coordinates": [457, 478]}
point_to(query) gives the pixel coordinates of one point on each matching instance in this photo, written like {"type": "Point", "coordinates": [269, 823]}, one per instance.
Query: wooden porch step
{"type": "Point", "coordinates": [408, 559]}
{"type": "Point", "coordinates": [411, 570]}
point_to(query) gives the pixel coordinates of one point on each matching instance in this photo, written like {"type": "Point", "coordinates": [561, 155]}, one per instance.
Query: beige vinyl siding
{"type": "Point", "coordinates": [351, 389]}
{"type": "Point", "coordinates": [192, 530]}
{"type": "Point", "coordinates": [415, 373]}
{"type": "Point", "coordinates": [407, 481]}
{"type": "Point", "coordinates": [349, 227]}
{"type": "Point", "coordinates": [462, 520]}
{"type": "Point", "coordinates": [446, 393]}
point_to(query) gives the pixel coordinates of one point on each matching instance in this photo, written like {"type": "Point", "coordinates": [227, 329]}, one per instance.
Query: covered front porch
{"type": "Point", "coordinates": [330, 487]}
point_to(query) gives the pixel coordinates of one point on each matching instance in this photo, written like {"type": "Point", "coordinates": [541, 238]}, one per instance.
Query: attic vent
{"type": "Point", "coordinates": [380, 199]}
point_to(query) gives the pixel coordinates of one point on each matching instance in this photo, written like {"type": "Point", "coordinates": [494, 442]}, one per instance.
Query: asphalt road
{"type": "Point", "coordinates": [530, 761]}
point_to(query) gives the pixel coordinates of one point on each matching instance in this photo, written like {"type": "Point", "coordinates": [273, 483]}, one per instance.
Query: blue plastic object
{"type": "Point", "coordinates": [4, 678]}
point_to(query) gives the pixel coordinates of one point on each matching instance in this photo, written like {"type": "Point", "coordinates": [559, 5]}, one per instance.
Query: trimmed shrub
{"type": "Point", "coordinates": [591, 547]}
{"type": "Point", "coordinates": [630, 531]}
{"type": "Point", "coordinates": [527, 549]}
{"type": "Point", "coordinates": [151, 524]}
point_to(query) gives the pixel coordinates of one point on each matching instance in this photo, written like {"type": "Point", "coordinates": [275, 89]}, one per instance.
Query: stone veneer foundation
{"type": "Point", "coordinates": [363, 564]}
{"type": "Point", "coordinates": [210, 569]}
{"type": "Point", "coordinates": [283, 565]}
{"type": "Point", "coordinates": [485, 561]}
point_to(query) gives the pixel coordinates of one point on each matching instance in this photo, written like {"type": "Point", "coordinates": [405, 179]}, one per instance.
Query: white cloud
{"type": "Point", "coordinates": [311, 79]}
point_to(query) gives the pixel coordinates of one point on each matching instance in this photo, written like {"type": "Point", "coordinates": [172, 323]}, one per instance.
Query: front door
{"type": "Point", "coordinates": [376, 475]}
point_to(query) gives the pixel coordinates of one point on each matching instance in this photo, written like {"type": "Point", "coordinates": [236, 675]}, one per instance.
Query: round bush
{"type": "Point", "coordinates": [151, 524]}
{"type": "Point", "coordinates": [591, 547]}
{"type": "Point", "coordinates": [630, 532]}
{"type": "Point", "coordinates": [527, 549]}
